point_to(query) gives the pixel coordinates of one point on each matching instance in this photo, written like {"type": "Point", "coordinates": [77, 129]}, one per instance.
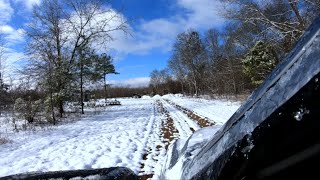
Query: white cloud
{"type": "Point", "coordinates": [202, 14]}
{"type": "Point", "coordinates": [133, 83]}
{"type": "Point", "coordinates": [10, 65]}
{"type": "Point", "coordinates": [6, 11]}
{"type": "Point", "coordinates": [6, 29]}
{"type": "Point", "coordinates": [160, 33]}
{"type": "Point", "coordinates": [28, 3]}
{"type": "Point", "coordinates": [12, 36]}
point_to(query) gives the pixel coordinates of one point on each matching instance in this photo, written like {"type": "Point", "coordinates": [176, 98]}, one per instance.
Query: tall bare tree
{"type": "Point", "coordinates": [46, 50]}
{"type": "Point", "coordinates": [91, 24]}
{"type": "Point", "coordinates": [188, 52]}
{"type": "Point", "coordinates": [58, 34]}
{"type": "Point", "coordinates": [179, 71]}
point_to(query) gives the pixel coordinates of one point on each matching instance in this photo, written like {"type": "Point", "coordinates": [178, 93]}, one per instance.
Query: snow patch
{"type": "Point", "coordinates": [156, 96]}
{"type": "Point", "coordinates": [145, 97]}
{"type": "Point", "coordinates": [300, 113]}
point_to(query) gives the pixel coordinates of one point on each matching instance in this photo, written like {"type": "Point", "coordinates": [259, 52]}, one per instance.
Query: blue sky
{"type": "Point", "coordinates": [154, 25]}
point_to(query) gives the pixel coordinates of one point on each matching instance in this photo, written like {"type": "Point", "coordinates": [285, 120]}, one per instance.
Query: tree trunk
{"type": "Point", "coordinates": [51, 95]}
{"type": "Point", "coordinates": [195, 84]}
{"type": "Point", "coordinates": [105, 86]}
{"type": "Point", "coordinates": [52, 109]}
{"type": "Point", "coordinates": [81, 86]}
{"type": "Point", "coordinates": [182, 87]}
{"type": "Point", "coordinates": [61, 111]}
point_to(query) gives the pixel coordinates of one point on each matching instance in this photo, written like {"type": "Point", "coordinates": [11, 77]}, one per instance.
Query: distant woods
{"type": "Point", "coordinates": [237, 58]}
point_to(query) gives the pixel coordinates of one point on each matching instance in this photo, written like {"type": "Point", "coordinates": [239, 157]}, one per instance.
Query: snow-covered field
{"type": "Point", "coordinates": [130, 135]}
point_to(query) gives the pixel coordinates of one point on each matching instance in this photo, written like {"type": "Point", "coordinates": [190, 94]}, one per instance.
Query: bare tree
{"type": "Point", "coordinates": [179, 70]}
{"type": "Point", "coordinates": [283, 21]}
{"type": "Point", "coordinates": [160, 81]}
{"type": "Point", "coordinates": [213, 54]}
{"type": "Point", "coordinates": [91, 25]}
{"type": "Point", "coordinates": [189, 54]}
{"type": "Point", "coordinates": [157, 78]}
{"type": "Point", "coordinates": [58, 34]}
{"type": "Point", "coordinates": [46, 50]}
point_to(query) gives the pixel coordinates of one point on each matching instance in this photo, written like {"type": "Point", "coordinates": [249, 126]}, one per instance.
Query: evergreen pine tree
{"type": "Point", "coordinates": [103, 66]}
{"type": "Point", "coordinates": [259, 62]}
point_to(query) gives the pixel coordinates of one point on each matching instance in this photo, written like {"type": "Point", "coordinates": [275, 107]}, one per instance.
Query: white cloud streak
{"type": "Point", "coordinates": [12, 36]}
{"type": "Point", "coordinates": [132, 83]}
{"type": "Point", "coordinates": [6, 12]}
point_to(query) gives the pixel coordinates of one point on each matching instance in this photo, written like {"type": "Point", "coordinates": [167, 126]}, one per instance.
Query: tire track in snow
{"type": "Point", "coordinates": [164, 130]}
{"type": "Point", "coordinates": [176, 122]}
{"type": "Point", "coordinates": [168, 130]}
{"type": "Point", "coordinates": [182, 122]}
{"type": "Point", "coordinates": [149, 156]}
{"type": "Point", "coordinates": [147, 135]}
{"type": "Point", "coordinates": [202, 122]}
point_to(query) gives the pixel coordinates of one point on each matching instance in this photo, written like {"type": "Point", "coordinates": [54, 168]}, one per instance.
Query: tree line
{"type": "Point", "coordinates": [66, 41]}
{"type": "Point", "coordinates": [237, 58]}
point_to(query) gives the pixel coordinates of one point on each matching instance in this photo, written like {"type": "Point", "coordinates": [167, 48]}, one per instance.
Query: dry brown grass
{"type": "Point", "coordinates": [3, 140]}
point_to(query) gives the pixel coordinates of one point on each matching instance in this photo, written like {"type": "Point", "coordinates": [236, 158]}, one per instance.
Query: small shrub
{"type": "Point", "coordinates": [27, 110]}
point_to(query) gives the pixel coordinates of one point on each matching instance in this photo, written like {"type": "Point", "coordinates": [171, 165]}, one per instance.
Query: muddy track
{"type": "Point", "coordinates": [168, 134]}
{"type": "Point", "coordinates": [145, 176]}
{"type": "Point", "coordinates": [202, 122]}
{"type": "Point", "coordinates": [168, 131]}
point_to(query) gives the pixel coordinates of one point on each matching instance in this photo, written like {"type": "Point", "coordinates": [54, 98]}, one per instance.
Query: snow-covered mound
{"type": "Point", "coordinates": [183, 150]}
{"type": "Point", "coordinates": [168, 96]}
{"type": "Point", "coordinates": [145, 97]}
{"type": "Point", "coordinates": [156, 96]}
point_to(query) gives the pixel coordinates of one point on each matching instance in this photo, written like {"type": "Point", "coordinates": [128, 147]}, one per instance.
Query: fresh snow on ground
{"type": "Point", "coordinates": [118, 136]}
